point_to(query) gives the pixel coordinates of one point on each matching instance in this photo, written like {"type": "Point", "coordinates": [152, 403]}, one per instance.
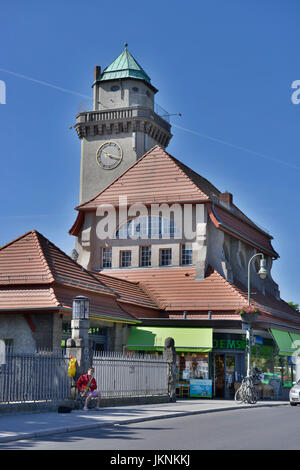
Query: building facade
{"type": "Point", "coordinates": [159, 223]}
{"type": "Point", "coordinates": [160, 252]}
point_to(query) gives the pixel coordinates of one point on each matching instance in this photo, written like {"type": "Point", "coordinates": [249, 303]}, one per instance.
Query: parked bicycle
{"type": "Point", "coordinates": [247, 392]}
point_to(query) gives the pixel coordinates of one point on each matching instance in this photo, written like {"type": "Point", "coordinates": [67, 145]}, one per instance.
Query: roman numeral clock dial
{"type": "Point", "coordinates": [109, 155]}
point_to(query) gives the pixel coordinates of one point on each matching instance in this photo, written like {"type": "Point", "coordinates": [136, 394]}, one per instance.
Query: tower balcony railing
{"type": "Point", "coordinates": [131, 112]}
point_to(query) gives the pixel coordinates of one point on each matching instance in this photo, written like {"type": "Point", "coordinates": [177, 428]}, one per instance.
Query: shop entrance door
{"type": "Point", "coordinates": [219, 366]}
{"type": "Point", "coordinates": [227, 371]}
{"type": "Point", "coordinates": [229, 376]}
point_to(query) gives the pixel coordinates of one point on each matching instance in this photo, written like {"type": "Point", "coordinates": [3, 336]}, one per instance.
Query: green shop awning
{"type": "Point", "coordinates": [288, 343]}
{"type": "Point", "coordinates": [148, 338]}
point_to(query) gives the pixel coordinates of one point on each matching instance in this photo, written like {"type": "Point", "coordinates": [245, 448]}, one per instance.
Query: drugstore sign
{"type": "Point", "coordinates": [229, 344]}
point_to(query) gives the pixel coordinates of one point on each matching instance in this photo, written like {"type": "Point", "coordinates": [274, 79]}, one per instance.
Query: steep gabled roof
{"type": "Point", "coordinates": [33, 259]}
{"type": "Point", "coordinates": [155, 177]}
{"type": "Point", "coordinates": [35, 274]}
{"type": "Point", "coordinates": [241, 229]}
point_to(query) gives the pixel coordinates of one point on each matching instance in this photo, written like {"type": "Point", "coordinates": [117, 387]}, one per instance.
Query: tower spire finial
{"type": "Point", "coordinates": [126, 45]}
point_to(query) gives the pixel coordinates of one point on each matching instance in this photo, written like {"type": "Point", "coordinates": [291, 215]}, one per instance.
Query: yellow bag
{"type": "Point", "coordinates": [72, 367]}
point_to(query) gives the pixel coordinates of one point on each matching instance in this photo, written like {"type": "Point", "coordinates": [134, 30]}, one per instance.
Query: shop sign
{"type": "Point", "coordinates": [259, 340]}
{"type": "Point", "coordinates": [229, 344]}
{"type": "Point", "coordinates": [201, 388]}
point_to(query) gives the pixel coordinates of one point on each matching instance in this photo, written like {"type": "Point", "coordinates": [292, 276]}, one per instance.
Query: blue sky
{"type": "Point", "coordinates": [226, 66]}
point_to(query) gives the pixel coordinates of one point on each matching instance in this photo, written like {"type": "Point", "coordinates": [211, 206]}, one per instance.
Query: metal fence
{"type": "Point", "coordinates": [43, 376]}
{"type": "Point", "coordinates": [32, 377]}
{"type": "Point", "coordinates": [120, 375]}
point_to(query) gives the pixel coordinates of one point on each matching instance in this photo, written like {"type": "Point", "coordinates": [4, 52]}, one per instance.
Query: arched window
{"type": "Point", "coordinates": [148, 227]}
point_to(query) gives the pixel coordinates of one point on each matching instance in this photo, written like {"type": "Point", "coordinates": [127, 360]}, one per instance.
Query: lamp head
{"type": "Point", "coordinates": [263, 268]}
{"type": "Point", "coordinates": [81, 308]}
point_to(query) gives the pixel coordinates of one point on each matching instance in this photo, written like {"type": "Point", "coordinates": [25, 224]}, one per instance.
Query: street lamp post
{"type": "Point", "coordinates": [78, 345]}
{"type": "Point", "coordinates": [263, 274]}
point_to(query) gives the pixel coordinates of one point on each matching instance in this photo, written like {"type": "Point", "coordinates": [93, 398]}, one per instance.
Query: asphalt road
{"type": "Point", "coordinates": [250, 429]}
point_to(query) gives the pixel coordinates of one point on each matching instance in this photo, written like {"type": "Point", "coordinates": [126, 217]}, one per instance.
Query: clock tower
{"type": "Point", "coordinates": [122, 126]}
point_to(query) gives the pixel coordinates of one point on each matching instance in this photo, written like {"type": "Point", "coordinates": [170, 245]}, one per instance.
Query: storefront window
{"type": "Point", "coordinates": [193, 375]}
{"type": "Point", "coordinates": [192, 366]}
{"type": "Point", "coordinates": [278, 372]}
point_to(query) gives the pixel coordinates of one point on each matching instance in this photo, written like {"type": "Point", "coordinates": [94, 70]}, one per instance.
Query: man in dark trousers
{"type": "Point", "coordinates": [87, 386]}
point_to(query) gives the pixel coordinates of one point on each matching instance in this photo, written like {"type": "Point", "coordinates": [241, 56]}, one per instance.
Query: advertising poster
{"type": "Point", "coordinates": [201, 388]}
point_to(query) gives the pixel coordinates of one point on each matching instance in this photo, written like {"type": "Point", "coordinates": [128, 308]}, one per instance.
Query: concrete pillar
{"type": "Point", "coordinates": [78, 346]}
{"type": "Point", "coordinates": [169, 355]}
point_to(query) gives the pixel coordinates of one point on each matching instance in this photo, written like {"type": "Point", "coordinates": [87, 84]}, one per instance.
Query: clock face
{"type": "Point", "coordinates": [109, 155]}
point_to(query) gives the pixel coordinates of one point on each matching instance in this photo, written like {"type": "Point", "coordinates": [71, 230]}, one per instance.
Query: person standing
{"type": "Point", "coordinates": [87, 386]}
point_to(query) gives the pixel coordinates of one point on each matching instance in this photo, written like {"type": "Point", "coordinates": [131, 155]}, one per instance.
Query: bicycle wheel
{"type": "Point", "coordinates": [251, 395]}
{"type": "Point", "coordinates": [254, 395]}
{"type": "Point", "coordinates": [239, 395]}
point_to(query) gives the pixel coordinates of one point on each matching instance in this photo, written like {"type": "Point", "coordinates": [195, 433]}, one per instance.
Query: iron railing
{"type": "Point", "coordinates": [42, 376]}
{"type": "Point", "coordinates": [32, 377]}
{"type": "Point", "coordinates": [120, 375]}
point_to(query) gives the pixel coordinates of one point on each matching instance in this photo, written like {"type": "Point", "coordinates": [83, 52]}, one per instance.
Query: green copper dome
{"type": "Point", "coordinates": [124, 66]}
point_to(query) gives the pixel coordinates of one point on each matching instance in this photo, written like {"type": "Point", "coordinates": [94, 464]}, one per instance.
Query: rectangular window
{"type": "Point", "coordinates": [165, 257]}
{"type": "Point", "coordinates": [186, 254]}
{"type": "Point", "coordinates": [106, 257]}
{"type": "Point", "coordinates": [145, 256]}
{"type": "Point", "coordinates": [125, 259]}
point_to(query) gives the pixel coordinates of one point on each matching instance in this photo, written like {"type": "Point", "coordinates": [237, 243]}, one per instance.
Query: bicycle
{"type": "Point", "coordinates": [247, 392]}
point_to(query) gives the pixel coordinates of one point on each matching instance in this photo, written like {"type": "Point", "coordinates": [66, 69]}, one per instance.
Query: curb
{"type": "Point", "coordinates": [83, 427]}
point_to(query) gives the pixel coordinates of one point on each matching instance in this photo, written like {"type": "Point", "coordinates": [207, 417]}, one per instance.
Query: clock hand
{"type": "Point", "coordinates": [112, 156]}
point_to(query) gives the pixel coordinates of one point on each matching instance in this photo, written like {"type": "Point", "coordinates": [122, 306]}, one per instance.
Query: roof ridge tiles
{"type": "Point", "coordinates": [121, 296]}
{"type": "Point", "coordinates": [53, 296]}
{"type": "Point", "coordinates": [190, 170]}
{"type": "Point", "coordinates": [90, 274]}
{"type": "Point", "coordinates": [153, 295]}
{"type": "Point", "coordinates": [36, 235]}
{"type": "Point", "coordinates": [230, 284]}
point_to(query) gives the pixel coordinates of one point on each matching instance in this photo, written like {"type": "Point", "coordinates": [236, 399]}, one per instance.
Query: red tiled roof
{"type": "Point", "coordinates": [22, 261]}
{"type": "Point", "coordinates": [228, 222]}
{"type": "Point", "coordinates": [100, 305]}
{"type": "Point", "coordinates": [129, 291]}
{"type": "Point", "coordinates": [35, 274]}
{"type": "Point", "coordinates": [33, 259]}
{"type": "Point", "coordinates": [176, 289]}
{"type": "Point", "coordinates": [21, 298]}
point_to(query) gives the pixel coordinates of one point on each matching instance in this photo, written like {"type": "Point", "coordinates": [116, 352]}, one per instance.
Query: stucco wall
{"type": "Point", "coordinates": [14, 327]}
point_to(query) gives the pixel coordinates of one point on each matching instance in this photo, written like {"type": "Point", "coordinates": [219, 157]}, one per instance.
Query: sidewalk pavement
{"type": "Point", "coordinates": [31, 425]}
